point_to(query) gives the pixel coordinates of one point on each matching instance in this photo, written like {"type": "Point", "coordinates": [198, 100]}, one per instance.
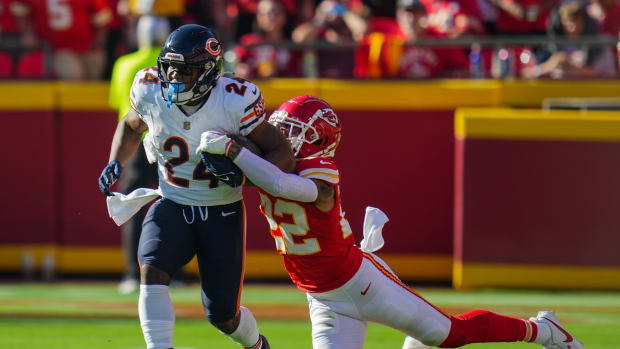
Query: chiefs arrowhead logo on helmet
{"type": "Point", "coordinates": [329, 116]}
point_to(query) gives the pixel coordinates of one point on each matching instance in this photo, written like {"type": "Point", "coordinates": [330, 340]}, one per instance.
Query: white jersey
{"type": "Point", "coordinates": [234, 106]}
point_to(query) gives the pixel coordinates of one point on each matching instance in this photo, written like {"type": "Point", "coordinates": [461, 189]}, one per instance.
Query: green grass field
{"type": "Point", "coordinates": [94, 315]}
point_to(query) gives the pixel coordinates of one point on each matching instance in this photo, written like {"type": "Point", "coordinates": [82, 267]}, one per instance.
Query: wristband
{"type": "Point", "coordinates": [227, 150]}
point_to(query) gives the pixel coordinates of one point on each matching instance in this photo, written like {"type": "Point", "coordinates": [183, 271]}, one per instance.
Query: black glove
{"type": "Point", "coordinates": [110, 174]}
{"type": "Point", "coordinates": [223, 169]}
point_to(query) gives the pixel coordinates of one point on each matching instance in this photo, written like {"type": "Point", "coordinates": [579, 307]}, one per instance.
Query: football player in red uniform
{"type": "Point", "coordinates": [347, 286]}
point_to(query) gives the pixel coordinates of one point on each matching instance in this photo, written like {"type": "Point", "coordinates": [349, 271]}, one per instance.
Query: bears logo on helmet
{"type": "Point", "coordinates": [213, 43]}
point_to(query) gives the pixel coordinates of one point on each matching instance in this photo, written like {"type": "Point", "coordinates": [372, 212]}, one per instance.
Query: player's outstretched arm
{"type": "Point", "coordinates": [261, 172]}
{"type": "Point", "coordinates": [273, 180]}
{"type": "Point", "coordinates": [127, 137]}
{"type": "Point", "coordinates": [275, 147]}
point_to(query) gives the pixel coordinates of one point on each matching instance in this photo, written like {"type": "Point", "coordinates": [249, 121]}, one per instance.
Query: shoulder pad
{"type": "Point", "coordinates": [319, 168]}
{"type": "Point", "coordinates": [246, 99]}
{"type": "Point", "coordinates": [145, 89]}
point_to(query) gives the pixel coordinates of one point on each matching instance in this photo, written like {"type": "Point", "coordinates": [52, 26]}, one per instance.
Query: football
{"type": "Point", "coordinates": [247, 143]}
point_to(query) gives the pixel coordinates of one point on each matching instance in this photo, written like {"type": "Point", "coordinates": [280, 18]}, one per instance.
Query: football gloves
{"type": "Point", "coordinates": [214, 142]}
{"type": "Point", "coordinates": [110, 174]}
{"type": "Point", "coordinates": [223, 169]}
{"type": "Point", "coordinates": [212, 149]}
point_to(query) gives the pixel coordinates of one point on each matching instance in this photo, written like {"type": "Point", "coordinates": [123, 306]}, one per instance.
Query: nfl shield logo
{"type": "Point", "coordinates": [187, 125]}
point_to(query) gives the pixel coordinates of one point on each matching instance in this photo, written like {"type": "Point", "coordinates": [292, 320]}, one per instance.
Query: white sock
{"type": "Point", "coordinates": [156, 316]}
{"type": "Point", "coordinates": [543, 334]}
{"type": "Point", "coordinates": [247, 333]}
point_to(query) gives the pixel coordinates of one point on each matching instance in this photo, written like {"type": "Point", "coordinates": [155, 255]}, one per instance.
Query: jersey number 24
{"type": "Point", "coordinates": [200, 171]}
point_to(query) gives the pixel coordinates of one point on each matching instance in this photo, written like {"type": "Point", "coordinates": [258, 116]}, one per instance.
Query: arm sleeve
{"type": "Point", "coordinates": [271, 179]}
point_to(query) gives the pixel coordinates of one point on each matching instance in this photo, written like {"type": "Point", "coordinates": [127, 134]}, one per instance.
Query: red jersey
{"type": "Point", "coordinates": [507, 24]}
{"type": "Point", "coordinates": [268, 61]}
{"type": "Point", "coordinates": [68, 24]}
{"type": "Point", "coordinates": [427, 62]}
{"type": "Point", "coordinates": [611, 23]}
{"type": "Point", "coordinates": [318, 247]}
{"type": "Point", "coordinates": [442, 15]}
{"type": "Point", "coordinates": [8, 24]}
{"type": "Point", "coordinates": [250, 6]}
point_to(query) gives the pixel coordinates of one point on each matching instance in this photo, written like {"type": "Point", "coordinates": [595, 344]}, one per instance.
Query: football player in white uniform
{"type": "Point", "coordinates": [346, 285]}
{"type": "Point", "coordinates": [199, 213]}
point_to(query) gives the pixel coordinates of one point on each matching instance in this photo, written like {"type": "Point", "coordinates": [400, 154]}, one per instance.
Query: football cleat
{"type": "Point", "coordinates": [128, 286]}
{"type": "Point", "coordinates": [412, 343]}
{"type": "Point", "coordinates": [560, 338]}
{"type": "Point", "coordinates": [261, 344]}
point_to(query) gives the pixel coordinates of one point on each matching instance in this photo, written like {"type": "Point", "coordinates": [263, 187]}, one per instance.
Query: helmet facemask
{"type": "Point", "coordinates": [304, 138]}
{"type": "Point", "coordinates": [174, 92]}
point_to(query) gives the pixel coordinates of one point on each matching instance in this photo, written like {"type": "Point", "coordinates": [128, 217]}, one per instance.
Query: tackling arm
{"type": "Point", "coordinates": [276, 148]}
{"type": "Point", "coordinates": [127, 137]}
{"type": "Point", "coordinates": [271, 179]}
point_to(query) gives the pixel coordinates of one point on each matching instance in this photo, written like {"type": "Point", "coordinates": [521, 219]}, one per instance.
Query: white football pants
{"type": "Point", "coordinates": [339, 317]}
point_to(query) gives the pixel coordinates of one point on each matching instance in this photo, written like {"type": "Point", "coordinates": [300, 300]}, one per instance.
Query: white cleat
{"type": "Point", "coordinates": [128, 286]}
{"type": "Point", "coordinates": [412, 343]}
{"type": "Point", "coordinates": [560, 338]}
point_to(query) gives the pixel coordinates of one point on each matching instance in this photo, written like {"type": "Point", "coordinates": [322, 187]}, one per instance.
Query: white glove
{"type": "Point", "coordinates": [213, 142]}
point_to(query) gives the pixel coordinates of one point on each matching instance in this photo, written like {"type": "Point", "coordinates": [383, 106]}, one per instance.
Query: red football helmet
{"type": "Point", "coordinates": [310, 124]}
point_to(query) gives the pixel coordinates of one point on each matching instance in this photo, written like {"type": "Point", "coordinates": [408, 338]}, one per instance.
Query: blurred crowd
{"type": "Point", "coordinates": [81, 39]}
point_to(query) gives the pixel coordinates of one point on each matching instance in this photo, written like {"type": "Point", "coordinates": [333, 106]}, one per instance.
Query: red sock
{"type": "Point", "coordinates": [482, 326]}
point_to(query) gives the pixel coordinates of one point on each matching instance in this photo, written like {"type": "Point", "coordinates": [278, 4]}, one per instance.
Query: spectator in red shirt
{"type": "Point", "coordinates": [75, 30]}
{"type": "Point", "coordinates": [267, 61]}
{"type": "Point", "coordinates": [453, 18]}
{"type": "Point", "coordinates": [244, 11]}
{"type": "Point", "coordinates": [396, 60]}
{"type": "Point", "coordinates": [8, 25]}
{"type": "Point", "coordinates": [607, 14]}
{"type": "Point", "coordinates": [420, 61]}
{"type": "Point", "coordinates": [334, 23]}
{"type": "Point", "coordinates": [523, 16]}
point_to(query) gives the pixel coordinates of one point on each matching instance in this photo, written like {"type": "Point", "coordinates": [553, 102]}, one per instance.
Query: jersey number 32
{"type": "Point", "coordinates": [289, 226]}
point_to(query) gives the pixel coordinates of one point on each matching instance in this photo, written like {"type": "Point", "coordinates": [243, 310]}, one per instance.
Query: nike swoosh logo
{"type": "Point", "coordinates": [569, 338]}
{"type": "Point", "coordinates": [363, 293]}
{"type": "Point", "coordinates": [324, 162]}
{"type": "Point", "coordinates": [224, 214]}
{"type": "Point", "coordinates": [255, 89]}
{"type": "Point", "coordinates": [223, 178]}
